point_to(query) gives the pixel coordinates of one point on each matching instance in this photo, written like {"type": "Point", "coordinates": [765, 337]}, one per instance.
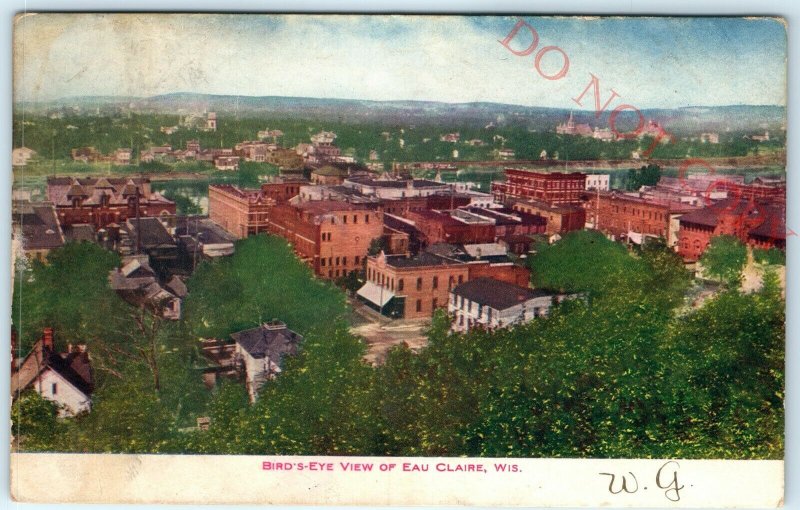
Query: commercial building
{"type": "Point", "coordinates": [333, 237]}
{"type": "Point", "coordinates": [632, 218]}
{"type": "Point", "coordinates": [559, 218]}
{"type": "Point", "coordinates": [414, 287]}
{"type": "Point", "coordinates": [242, 212]}
{"type": "Point", "coordinates": [555, 188]}
{"type": "Point", "coordinates": [760, 224]}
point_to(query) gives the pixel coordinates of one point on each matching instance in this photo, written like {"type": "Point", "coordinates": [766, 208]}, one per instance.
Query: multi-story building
{"type": "Point", "coordinates": [242, 212]}
{"type": "Point", "coordinates": [597, 182]}
{"type": "Point", "coordinates": [415, 287]}
{"type": "Point", "coordinates": [559, 218]}
{"type": "Point", "coordinates": [322, 148]}
{"type": "Point", "coordinates": [332, 237]}
{"type": "Point", "coordinates": [282, 189]}
{"type": "Point", "coordinates": [554, 188]}
{"type": "Point", "coordinates": [760, 224]}
{"type": "Point", "coordinates": [624, 216]}
{"type": "Point", "coordinates": [572, 129]}
{"type": "Point", "coordinates": [105, 200]}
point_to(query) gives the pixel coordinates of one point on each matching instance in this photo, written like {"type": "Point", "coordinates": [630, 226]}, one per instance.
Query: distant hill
{"type": "Point", "coordinates": [677, 120]}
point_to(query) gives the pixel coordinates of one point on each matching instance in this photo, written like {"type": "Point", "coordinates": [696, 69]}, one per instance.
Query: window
{"type": "Point", "coordinates": [355, 218]}
{"type": "Point", "coordinates": [358, 259]}
{"type": "Point", "coordinates": [400, 284]}
{"type": "Point", "coordinates": [333, 220]}
{"type": "Point", "coordinates": [344, 261]}
{"type": "Point", "coordinates": [460, 279]}
{"type": "Point", "coordinates": [54, 389]}
{"type": "Point", "coordinates": [391, 284]}
{"type": "Point", "coordinates": [366, 218]}
{"type": "Point", "coordinates": [322, 262]}
{"type": "Point", "coordinates": [435, 303]}
{"type": "Point", "coordinates": [330, 261]}
{"type": "Point", "coordinates": [419, 305]}
{"type": "Point", "coordinates": [435, 282]}
{"type": "Point", "coordinates": [450, 282]}
{"type": "Point", "coordinates": [419, 283]}
{"type": "Point", "coordinates": [337, 261]}
{"type": "Point", "coordinates": [330, 273]}
{"type": "Point", "coordinates": [344, 219]}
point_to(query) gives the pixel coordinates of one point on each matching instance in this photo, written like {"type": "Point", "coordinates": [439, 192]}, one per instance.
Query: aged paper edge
{"type": "Point", "coordinates": [201, 479]}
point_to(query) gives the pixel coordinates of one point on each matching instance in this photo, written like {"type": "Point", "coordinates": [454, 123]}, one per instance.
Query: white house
{"type": "Point", "coordinates": [492, 304]}
{"type": "Point", "coordinates": [64, 378]}
{"type": "Point", "coordinates": [259, 352]}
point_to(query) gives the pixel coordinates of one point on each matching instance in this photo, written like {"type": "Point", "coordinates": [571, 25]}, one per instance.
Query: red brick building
{"type": "Point", "coordinates": [414, 287]}
{"type": "Point", "coordinates": [629, 217]}
{"type": "Point", "coordinates": [105, 200]}
{"type": "Point", "coordinates": [242, 212]}
{"type": "Point", "coordinates": [550, 187]}
{"type": "Point", "coordinates": [447, 227]}
{"type": "Point", "coordinates": [333, 237]}
{"type": "Point", "coordinates": [559, 218]}
{"type": "Point", "coordinates": [282, 189]}
{"type": "Point", "coordinates": [760, 224]}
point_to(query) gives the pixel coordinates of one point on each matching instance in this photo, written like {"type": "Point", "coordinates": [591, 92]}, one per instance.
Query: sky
{"type": "Point", "coordinates": [649, 62]}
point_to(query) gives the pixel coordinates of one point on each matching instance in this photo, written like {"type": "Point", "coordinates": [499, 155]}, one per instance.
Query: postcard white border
{"type": "Point", "coordinates": [191, 468]}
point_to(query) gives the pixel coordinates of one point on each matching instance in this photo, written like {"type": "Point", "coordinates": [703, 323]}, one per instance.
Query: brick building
{"type": "Point", "coordinates": [414, 287]}
{"type": "Point", "coordinates": [550, 187]}
{"type": "Point", "coordinates": [333, 237]}
{"type": "Point", "coordinates": [242, 212]}
{"type": "Point", "coordinates": [559, 218]}
{"type": "Point", "coordinates": [452, 227]}
{"type": "Point", "coordinates": [631, 217]}
{"type": "Point", "coordinates": [282, 189]}
{"type": "Point", "coordinates": [760, 224]}
{"type": "Point", "coordinates": [105, 200]}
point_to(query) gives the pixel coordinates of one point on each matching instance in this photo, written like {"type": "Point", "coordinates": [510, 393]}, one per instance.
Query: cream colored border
{"type": "Point", "coordinates": [106, 478]}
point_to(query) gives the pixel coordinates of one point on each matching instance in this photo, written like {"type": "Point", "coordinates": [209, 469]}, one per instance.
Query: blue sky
{"type": "Point", "coordinates": [650, 62]}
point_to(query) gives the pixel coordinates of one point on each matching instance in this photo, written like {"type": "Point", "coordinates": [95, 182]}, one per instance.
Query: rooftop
{"type": "Point", "coordinates": [496, 294]}
{"type": "Point", "coordinates": [270, 340]}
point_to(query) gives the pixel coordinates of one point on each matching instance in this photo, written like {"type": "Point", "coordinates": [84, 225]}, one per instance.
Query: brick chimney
{"type": "Point", "coordinates": [47, 339]}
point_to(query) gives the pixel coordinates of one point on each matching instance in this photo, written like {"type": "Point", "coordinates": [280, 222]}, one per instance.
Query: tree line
{"type": "Point", "coordinates": [630, 371]}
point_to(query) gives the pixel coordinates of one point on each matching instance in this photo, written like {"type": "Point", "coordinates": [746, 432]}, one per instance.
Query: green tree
{"type": "Point", "coordinates": [261, 281]}
{"type": "Point", "coordinates": [724, 259]}
{"type": "Point", "coordinates": [34, 423]}
{"type": "Point", "coordinates": [70, 294]}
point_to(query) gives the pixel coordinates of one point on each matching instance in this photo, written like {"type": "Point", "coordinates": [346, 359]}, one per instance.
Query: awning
{"type": "Point", "coordinates": [375, 294]}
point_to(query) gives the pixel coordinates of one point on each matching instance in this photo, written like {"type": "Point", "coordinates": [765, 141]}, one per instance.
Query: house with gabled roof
{"type": "Point", "coordinates": [260, 352]}
{"type": "Point", "coordinates": [65, 378]}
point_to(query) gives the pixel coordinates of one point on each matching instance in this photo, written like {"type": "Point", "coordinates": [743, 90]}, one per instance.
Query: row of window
{"type": "Point", "coordinates": [355, 219]}
{"type": "Point", "coordinates": [384, 280]}
{"type": "Point", "coordinates": [639, 212]}
{"type": "Point", "coordinates": [338, 261]}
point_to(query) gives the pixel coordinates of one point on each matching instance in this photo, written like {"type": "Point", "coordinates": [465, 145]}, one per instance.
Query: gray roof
{"type": "Point", "coordinates": [496, 294]}
{"type": "Point", "coordinates": [271, 339]}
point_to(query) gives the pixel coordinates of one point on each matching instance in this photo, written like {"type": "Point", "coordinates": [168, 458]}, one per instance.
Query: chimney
{"type": "Point", "coordinates": [47, 339]}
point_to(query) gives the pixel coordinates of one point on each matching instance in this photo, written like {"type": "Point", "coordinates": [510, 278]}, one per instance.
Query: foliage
{"type": "Point", "coordinates": [646, 176]}
{"type": "Point", "coordinates": [725, 259]}
{"type": "Point", "coordinates": [770, 256]}
{"type": "Point", "coordinates": [263, 280]}
{"type": "Point", "coordinates": [34, 423]}
{"type": "Point", "coordinates": [352, 281]}
{"type": "Point", "coordinates": [45, 295]}
{"type": "Point", "coordinates": [581, 261]}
